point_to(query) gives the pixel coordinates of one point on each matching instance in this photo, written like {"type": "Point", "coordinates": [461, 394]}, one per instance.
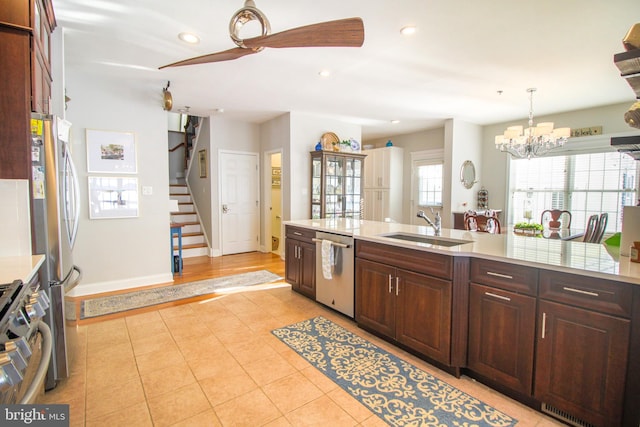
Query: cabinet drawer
{"type": "Point", "coordinates": [437, 265]}
{"type": "Point", "coordinates": [298, 233]}
{"type": "Point", "coordinates": [515, 278]}
{"type": "Point", "coordinates": [588, 292]}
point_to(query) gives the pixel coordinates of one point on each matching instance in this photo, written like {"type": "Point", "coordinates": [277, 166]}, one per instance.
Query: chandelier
{"type": "Point", "coordinates": [534, 141]}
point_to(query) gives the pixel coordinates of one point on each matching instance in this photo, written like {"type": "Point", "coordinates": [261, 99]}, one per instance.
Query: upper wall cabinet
{"type": "Point", "coordinates": [25, 27]}
{"type": "Point", "coordinates": [383, 184]}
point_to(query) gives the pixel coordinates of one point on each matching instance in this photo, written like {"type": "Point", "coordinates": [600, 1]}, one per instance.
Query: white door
{"type": "Point", "coordinates": [239, 202]}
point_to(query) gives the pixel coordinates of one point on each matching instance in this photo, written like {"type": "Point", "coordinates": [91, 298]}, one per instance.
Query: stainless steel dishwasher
{"type": "Point", "coordinates": [338, 291]}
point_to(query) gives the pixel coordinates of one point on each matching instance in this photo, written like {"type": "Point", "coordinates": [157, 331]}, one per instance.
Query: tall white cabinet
{"type": "Point", "coordinates": [383, 184]}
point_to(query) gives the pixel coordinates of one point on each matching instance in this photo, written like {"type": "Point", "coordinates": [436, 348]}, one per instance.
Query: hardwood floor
{"type": "Point", "coordinates": [194, 269]}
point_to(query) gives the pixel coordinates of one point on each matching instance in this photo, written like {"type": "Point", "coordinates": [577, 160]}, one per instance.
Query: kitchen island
{"type": "Point", "coordinates": [552, 323]}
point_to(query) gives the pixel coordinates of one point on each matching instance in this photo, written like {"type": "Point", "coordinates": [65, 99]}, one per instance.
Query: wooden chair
{"type": "Point", "coordinates": [600, 228]}
{"type": "Point", "coordinates": [555, 219]}
{"type": "Point", "coordinates": [590, 229]}
{"type": "Point", "coordinates": [483, 223]}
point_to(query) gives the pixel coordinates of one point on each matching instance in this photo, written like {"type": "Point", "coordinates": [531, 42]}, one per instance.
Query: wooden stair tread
{"type": "Point", "coordinates": [192, 234]}
{"type": "Point", "coordinates": [190, 246]}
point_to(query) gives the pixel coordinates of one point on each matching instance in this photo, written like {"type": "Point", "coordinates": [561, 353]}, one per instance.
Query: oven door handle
{"type": "Point", "coordinates": [36, 385]}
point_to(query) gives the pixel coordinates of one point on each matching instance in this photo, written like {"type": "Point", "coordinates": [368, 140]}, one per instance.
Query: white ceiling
{"type": "Point", "coordinates": [463, 53]}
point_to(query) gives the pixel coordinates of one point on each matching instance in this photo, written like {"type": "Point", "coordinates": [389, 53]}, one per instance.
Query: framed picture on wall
{"type": "Point", "coordinates": [202, 162]}
{"type": "Point", "coordinates": [113, 197]}
{"type": "Point", "coordinates": [111, 152]}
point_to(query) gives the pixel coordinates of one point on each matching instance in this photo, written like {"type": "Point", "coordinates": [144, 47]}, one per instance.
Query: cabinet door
{"type": "Point", "coordinates": [292, 263]}
{"type": "Point", "coordinates": [423, 314]}
{"type": "Point", "coordinates": [375, 296]}
{"type": "Point", "coordinates": [581, 360]}
{"type": "Point", "coordinates": [15, 108]}
{"type": "Point", "coordinates": [307, 277]}
{"type": "Point", "coordinates": [501, 336]}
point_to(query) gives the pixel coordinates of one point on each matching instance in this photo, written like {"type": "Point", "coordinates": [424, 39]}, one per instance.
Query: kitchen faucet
{"type": "Point", "coordinates": [437, 226]}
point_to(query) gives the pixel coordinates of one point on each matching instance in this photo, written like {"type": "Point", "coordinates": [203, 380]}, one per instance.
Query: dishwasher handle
{"type": "Point", "coordinates": [340, 245]}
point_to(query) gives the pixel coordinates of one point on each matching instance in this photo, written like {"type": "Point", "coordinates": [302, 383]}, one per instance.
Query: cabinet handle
{"type": "Point", "coordinates": [544, 324]}
{"type": "Point", "coordinates": [580, 291]}
{"type": "Point", "coordinates": [379, 181]}
{"type": "Point", "coordinates": [390, 285]}
{"type": "Point", "coordinates": [397, 285]}
{"type": "Point", "coordinates": [297, 233]}
{"type": "Point", "coordinates": [497, 296]}
{"type": "Point", "coordinates": [299, 250]}
{"type": "Point", "coordinates": [504, 276]}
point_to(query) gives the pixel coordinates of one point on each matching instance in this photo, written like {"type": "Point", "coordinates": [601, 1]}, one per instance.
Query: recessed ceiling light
{"type": "Point", "coordinates": [395, 121]}
{"type": "Point", "coordinates": [189, 38]}
{"type": "Point", "coordinates": [324, 73]}
{"type": "Point", "coordinates": [408, 30]}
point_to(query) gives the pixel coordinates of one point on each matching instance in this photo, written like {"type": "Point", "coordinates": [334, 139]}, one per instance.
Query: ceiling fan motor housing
{"type": "Point", "coordinates": [248, 13]}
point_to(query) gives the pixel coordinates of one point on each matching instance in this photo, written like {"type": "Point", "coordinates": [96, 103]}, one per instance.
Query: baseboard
{"type": "Point", "coordinates": [84, 289]}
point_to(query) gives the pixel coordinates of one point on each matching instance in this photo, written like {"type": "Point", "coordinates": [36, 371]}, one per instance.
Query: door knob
{"type": "Point", "coordinates": [225, 208]}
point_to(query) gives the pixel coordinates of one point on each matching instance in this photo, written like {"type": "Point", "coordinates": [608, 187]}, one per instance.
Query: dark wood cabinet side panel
{"type": "Point", "coordinates": [581, 362]}
{"type": "Point", "coordinates": [15, 108]}
{"type": "Point", "coordinates": [460, 311]}
{"type": "Point", "coordinates": [632, 392]}
{"type": "Point", "coordinates": [437, 265]}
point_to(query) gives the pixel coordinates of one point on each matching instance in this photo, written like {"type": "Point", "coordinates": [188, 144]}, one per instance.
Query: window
{"type": "Point", "coordinates": [429, 183]}
{"type": "Point", "coordinates": [584, 184]}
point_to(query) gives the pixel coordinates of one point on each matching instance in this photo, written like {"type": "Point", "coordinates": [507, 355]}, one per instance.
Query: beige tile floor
{"type": "Point", "coordinates": [215, 363]}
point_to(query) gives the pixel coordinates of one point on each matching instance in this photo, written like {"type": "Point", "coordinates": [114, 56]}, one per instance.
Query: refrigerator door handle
{"type": "Point", "coordinates": [67, 283]}
{"type": "Point", "coordinates": [71, 172]}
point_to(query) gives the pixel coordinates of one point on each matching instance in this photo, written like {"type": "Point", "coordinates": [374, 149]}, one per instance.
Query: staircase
{"type": "Point", "coordinates": [193, 241]}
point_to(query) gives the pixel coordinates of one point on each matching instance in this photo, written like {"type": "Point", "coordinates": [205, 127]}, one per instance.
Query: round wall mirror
{"type": "Point", "coordinates": [468, 174]}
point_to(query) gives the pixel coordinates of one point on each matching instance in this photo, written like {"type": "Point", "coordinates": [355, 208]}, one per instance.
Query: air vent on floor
{"type": "Point", "coordinates": [564, 416]}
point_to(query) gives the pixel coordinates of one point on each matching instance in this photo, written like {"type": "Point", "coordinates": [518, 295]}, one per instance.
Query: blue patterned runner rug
{"type": "Point", "coordinates": [395, 390]}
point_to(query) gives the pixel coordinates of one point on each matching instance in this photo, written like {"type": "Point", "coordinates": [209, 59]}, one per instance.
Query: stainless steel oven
{"type": "Point", "coordinates": [25, 343]}
{"type": "Point", "coordinates": [334, 272]}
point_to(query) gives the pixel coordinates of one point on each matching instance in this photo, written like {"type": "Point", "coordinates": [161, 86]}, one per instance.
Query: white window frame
{"type": "Point", "coordinates": [418, 158]}
{"type": "Point", "coordinates": [575, 146]}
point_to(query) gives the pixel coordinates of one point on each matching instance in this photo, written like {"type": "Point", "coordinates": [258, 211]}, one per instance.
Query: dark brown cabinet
{"type": "Point", "coordinates": [411, 308]}
{"type": "Point", "coordinates": [25, 28]}
{"type": "Point", "coordinates": [582, 347]}
{"type": "Point", "coordinates": [502, 318]}
{"type": "Point", "coordinates": [501, 336]}
{"type": "Point", "coordinates": [300, 260]}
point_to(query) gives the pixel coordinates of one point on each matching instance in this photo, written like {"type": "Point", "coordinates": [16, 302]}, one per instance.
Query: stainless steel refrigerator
{"type": "Point", "coordinates": [55, 209]}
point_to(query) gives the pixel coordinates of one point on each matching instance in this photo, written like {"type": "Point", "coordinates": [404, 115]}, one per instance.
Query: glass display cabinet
{"type": "Point", "coordinates": [336, 184]}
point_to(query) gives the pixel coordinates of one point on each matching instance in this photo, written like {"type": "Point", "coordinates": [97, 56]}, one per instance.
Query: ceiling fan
{"type": "Point", "coordinates": [339, 33]}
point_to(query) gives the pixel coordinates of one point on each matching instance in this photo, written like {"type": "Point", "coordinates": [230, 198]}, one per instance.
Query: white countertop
{"type": "Point", "coordinates": [19, 267]}
{"type": "Point", "coordinates": [570, 256]}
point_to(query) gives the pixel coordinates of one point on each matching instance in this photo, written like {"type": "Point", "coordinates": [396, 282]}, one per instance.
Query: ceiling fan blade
{"type": "Point", "coordinates": [342, 33]}
{"type": "Point", "coordinates": [225, 55]}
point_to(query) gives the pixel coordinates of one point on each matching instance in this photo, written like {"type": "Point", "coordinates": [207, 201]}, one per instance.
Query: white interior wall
{"type": "Point", "coordinates": [228, 135]}
{"type": "Point", "coordinates": [128, 252]}
{"type": "Point", "coordinates": [306, 131]}
{"type": "Point", "coordinates": [466, 144]}
{"type": "Point", "coordinates": [201, 189]}
{"type": "Point", "coordinates": [494, 165]}
{"type": "Point", "coordinates": [15, 218]}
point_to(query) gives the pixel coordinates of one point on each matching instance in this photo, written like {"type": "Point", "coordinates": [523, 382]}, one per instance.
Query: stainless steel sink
{"type": "Point", "coordinates": [431, 240]}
